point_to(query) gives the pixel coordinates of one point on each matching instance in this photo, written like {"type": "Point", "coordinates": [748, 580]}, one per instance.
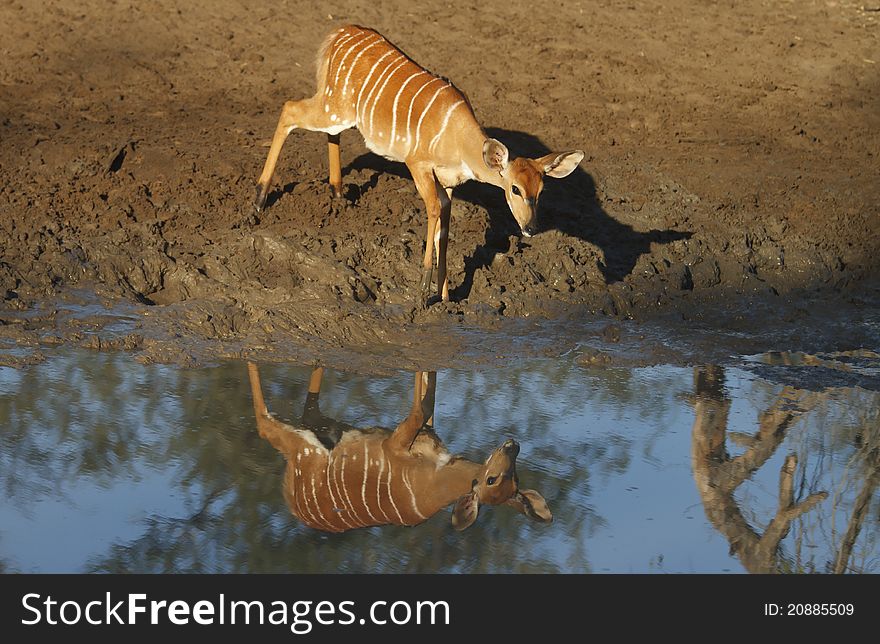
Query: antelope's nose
{"type": "Point", "coordinates": [529, 230]}
{"type": "Point", "coordinates": [511, 447]}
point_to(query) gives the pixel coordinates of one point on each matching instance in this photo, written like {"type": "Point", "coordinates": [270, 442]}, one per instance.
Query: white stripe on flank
{"type": "Point", "coordinates": [443, 127]}
{"type": "Point", "coordinates": [318, 505]}
{"type": "Point", "coordinates": [322, 523]}
{"type": "Point", "coordinates": [332, 496]}
{"type": "Point", "coordinates": [409, 113]}
{"type": "Point", "coordinates": [344, 38]}
{"type": "Point", "coordinates": [390, 66]}
{"type": "Point", "coordinates": [299, 512]}
{"type": "Point", "coordinates": [367, 81]}
{"type": "Point", "coordinates": [382, 89]}
{"type": "Point", "coordinates": [354, 62]}
{"type": "Point", "coordinates": [391, 497]}
{"type": "Point", "coordinates": [353, 42]}
{"type": "Point", "coordinates": [368, 100]}
{"type": "Point", "coordinates": [340, 507]}
{"type": "Point", "coordinates": [378, 485]}
{"type": "Point", "coordinates": [425, 112]}
{"type": "Point", "coordinates": [339, 43]}
{"type": "Point", "coordinates": [337, 47]}
{"type": "Point", "coordinates": [306, 504]}
{"type": "Point", "coordinates": [412, 496]}
{"type": "Point", "coordinates": [396, 100]}
{"type": "Point", "coordinates": [364, 485]}
{"type": "Point", "coordinates": [347, 498]}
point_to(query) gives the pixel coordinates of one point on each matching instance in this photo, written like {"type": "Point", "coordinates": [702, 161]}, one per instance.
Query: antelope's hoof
{"type": "Point", "coordinates": [425, 302]}
{"type": "Point", "coordinates": [260, 199]}
{"type": "Point", "coordinates": [425, 288]}
{"type": "Point", "coordinates": [425, 284]}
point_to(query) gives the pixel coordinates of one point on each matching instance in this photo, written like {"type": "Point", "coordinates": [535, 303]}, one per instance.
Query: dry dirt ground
{"type": "Point", "coordinates": [730, 177]}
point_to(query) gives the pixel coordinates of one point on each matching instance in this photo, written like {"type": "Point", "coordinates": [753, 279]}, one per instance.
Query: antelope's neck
{"type": "Point", "coordinates": [452, 481]}
{"type": "Point", "coordinates": [470, 140]}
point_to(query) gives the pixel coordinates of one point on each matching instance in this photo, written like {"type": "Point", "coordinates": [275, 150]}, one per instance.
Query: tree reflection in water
{"type": "Point", "coordinates": [718, 475]}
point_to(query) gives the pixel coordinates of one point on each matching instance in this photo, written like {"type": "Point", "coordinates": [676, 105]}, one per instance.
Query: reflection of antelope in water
{"type": "Point", "coordinates": [339, 477]}
{"type": "Point", "coordinates": [718, 476]}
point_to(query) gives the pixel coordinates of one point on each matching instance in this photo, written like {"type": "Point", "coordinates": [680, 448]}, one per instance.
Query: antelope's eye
{"type": "Point", "coordinates": [516, 191]}
{"type": "Point", "coordinates": [491, 480]}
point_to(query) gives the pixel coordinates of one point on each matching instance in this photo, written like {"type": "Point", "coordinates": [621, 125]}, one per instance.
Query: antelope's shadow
{"type": "Point", "coordinates": [569, 205]}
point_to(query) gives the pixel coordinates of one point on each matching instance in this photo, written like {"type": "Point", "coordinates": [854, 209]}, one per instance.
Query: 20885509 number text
{"type": "Point", "coordinates": [809, 609]}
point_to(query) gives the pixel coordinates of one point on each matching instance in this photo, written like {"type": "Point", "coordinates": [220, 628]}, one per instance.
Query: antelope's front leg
{"type": "Point", "coordinates": [426, 184]}
{"type": "Point", "coordinates": [441, 239]}
{"type": "Point", "coordinates": [428, 260]}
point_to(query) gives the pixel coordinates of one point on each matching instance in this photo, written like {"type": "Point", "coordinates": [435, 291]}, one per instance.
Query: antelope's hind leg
{"type": "Point", "coordinates": [335, 165]}
{"type": "Point", "coordinates": [307, 115]}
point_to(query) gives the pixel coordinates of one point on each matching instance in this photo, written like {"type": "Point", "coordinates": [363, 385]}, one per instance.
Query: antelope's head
{"type": "Point", "coordinates": [523, 179]}
{"type": "Point", "coordinates": [497, 483]}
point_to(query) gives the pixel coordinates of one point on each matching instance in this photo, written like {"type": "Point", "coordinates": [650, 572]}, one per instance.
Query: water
{"type": "Point", "coordinates": [109, 465]}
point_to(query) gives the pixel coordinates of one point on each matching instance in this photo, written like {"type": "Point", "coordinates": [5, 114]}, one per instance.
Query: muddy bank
{"type": "Point", "coordinates": [729, 184]}
{"type": "Point", "coordinates": [725, 334]}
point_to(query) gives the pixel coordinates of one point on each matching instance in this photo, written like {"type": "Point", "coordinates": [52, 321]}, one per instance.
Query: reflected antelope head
{"type": "Point", "coordinates": [498, 483]}
{"type": "Point", "coordinates": [339, 477]}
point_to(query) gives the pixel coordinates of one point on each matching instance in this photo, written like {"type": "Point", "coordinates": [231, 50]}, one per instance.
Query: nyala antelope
{"type": "Point", "coordinates": [339, 477]}
{"type": "Point", "coordinates": [406, 113]}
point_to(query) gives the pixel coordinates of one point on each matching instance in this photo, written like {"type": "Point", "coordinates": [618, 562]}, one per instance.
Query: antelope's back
{"type": "Point", "coordinates": [400, 108]}
{"type": "Point", "coordinates": [355, 484]}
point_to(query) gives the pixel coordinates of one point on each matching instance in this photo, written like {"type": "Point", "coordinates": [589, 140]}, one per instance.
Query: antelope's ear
{"type": "Point", "coordinates": [560, 164]}
{"type": "Point", "coordinates": [495, 155]}
{"type": "Point", "coordinates": [465, 511]}
{"type": "Point", "coordinates": [531, 504]}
